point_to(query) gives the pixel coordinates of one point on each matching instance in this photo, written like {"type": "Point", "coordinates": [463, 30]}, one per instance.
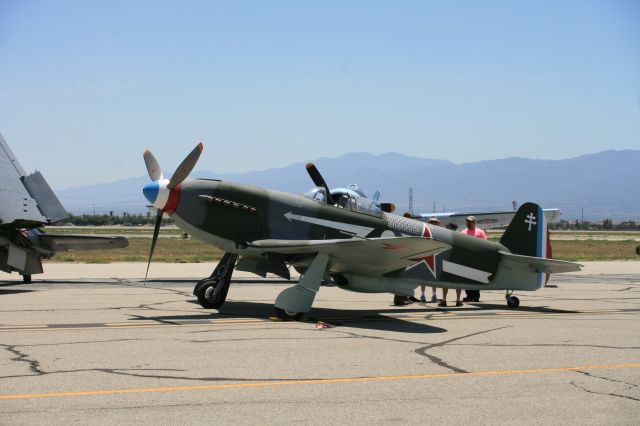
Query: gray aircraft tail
{"type": "Point", "coordinates": [527, 233]}
{"type": "Point", "coordinates": [527, 265]}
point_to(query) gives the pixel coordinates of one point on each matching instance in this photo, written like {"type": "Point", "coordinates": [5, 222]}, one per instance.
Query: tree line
{"type": "Point", "coordinates": [605, 225]}
{"type": "Point", "coordinates": [124, 219]}
{"type": "Point", "coordinates": [149, 219]}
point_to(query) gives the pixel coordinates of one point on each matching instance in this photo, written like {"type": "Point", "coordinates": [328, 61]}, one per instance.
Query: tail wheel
{"type": "Point", "coordinates": [288, 316]}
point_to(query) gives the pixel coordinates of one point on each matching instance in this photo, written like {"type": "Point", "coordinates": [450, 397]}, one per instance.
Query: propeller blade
{"type": "Point", "coordinates": [153, 167]}
{"type": "Point", "coordinates": [154, 240]}
{"type": "Point", "coordinates": [185, 167]}
{"type": "Point", "coordinates": [318, 180]}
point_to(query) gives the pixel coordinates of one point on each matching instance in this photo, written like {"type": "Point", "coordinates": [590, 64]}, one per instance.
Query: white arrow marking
{"type": "Point", "coordinates": [360, 231]}
{"type": "Point", "coordinates": [466, 272]}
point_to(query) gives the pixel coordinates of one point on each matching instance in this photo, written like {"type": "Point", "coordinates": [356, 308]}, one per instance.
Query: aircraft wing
{"type": "Point", "coordinates": [538, 264]}
{"type": "Point", "coordinates": [373, 255]}
{"type": "Point", "coordinates": [484, 220]}
{"type": "Point", "coordinates": [57, 243]}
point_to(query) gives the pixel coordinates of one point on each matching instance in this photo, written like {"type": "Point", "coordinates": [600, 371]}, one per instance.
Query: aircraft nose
{"type": "Point", "coordinates": [151, 190]}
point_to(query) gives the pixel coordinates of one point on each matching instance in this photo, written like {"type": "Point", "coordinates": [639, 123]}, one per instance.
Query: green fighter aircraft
{"type": "Point", "coordinates": [346, 238]}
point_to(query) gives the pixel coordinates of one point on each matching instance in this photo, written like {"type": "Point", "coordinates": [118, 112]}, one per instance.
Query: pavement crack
{"type": "Point", "coordinates": [439, 361]}
{"type": "Point", "coordinates": [588, 374]}
{"type": "Point", "coordinates": [140, 373]}
{"type": "Point", "coordinates": [142, 285]}
{"type": "Point", "coordinates": [551, 345]}
{"type": "Point", "coordinates": [34, 365]}
{"type": "Point", "coordinates": [577, 386]}
{"type": "Point", "coordinates": [593, 376]}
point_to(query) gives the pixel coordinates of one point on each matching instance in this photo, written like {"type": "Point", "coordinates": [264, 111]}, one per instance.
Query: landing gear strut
{"type": "Point", "coordinates": [294, 301]}
{"type": "Point", "coordinates": [512, 301]}
{"type": "Point", "coordinates": [212, 291]}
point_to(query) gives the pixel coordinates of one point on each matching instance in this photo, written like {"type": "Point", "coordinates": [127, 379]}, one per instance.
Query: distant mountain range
{"type": "Point", "coordinates": [602, 185]}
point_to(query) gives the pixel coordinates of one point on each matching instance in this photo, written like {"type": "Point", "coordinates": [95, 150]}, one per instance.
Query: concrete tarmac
{"type": "Point", "coordinates": [92, 344]}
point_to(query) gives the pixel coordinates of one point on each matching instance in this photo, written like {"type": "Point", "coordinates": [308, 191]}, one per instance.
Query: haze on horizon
{"type": "Point", "coordinates": [87, 86]}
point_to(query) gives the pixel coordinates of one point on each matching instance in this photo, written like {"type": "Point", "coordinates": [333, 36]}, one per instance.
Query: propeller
{"type": "Point", "coordinates": [154, 240]}
{"type": "Point", "coordinates": [318, 180]}
{"type": "Point", "coordinates": [164, 194]}
{"type": "Point", "coordinates": [185, 167]}
{"type": "Point", "coordinates": [153, 167]}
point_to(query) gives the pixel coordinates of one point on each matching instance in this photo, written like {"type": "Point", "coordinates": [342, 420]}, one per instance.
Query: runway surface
{"type": "Point", "coordinates": [92, 344]}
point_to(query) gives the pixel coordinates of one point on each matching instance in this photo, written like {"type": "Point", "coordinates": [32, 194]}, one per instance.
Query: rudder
{"type": "Point", "coordinates": [527, 233]}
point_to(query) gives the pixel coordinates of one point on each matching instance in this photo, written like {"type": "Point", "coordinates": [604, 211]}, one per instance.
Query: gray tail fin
{"type": "Point", "coordinates": [527, 233]}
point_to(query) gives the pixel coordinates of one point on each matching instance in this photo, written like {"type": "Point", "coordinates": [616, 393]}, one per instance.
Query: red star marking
{"type": "Point", "coordinates": [430, 261]}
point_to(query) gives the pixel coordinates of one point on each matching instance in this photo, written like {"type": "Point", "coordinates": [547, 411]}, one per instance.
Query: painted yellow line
{"type": "Point", "coordinates": [414, 316]}
{"type": "Point", "coordinates": [118, 324]}
{"type": "Point", "coordinates": [22, 326]}
{"type": "Point", "coordinates": [112, 326]}
{"type": "Point", "coordinates": [319, 381]}
{"type": "Point", "coordinates": [231, 321]}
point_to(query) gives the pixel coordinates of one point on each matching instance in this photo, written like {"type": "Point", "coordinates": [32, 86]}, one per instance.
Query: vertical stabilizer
{"type": "Point", "coordinates": [527, 232]}
{"type": "Point", "coordinates": [528, 235]}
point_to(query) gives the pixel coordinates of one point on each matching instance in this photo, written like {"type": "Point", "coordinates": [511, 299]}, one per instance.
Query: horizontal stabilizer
{"type": "Point", "coordinates": [537, 264]}
{"type": "Point", "coordinates": [48, 203]}
{"type": "Point", "coordinates": [80, 242]}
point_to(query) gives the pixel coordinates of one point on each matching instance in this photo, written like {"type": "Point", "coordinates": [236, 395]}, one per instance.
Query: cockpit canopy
{"type": "Point", "coordinates": [351, 198]}
{"type": "Point", "coordinates": [317, 194]}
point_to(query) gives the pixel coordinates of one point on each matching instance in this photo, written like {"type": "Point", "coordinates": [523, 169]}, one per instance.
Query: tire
{"type": "Point", "coordinates": [206, 290]}
{"type": "Point", "coordinates": [219, 277]}
{"type": "Point", "coordinates": [401, 300]}
{"type": "Point", "coordinates": [26, 278]}
{"type": "Point", "coordinates": [513, 302]}
{"type": "Point", "coordinates": [288, 316]}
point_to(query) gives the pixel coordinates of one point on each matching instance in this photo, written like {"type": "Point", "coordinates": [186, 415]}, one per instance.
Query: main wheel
{"type": "Point", "coordinates": [26, 278]}
{"type": "Point", "coordinates": [513, 302]}
{"type": "Point", "coordinates": [289, 316]}
{"type": "Point", "coordinates": [206, 297]}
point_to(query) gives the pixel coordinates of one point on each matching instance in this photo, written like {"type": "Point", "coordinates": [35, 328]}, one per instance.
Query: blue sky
{"type": "Point", "coordinates": [85, 86]}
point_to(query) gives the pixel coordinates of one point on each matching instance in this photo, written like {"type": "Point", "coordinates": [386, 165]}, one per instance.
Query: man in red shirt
{"type": "Point", "coordinates": [471, 229]}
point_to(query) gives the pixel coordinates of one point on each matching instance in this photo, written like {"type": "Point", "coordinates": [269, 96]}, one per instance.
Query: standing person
{"type": "Point", "coordinates": [474, 231]}
{"type": "Point", "coordinates": [434, 296]}
{"type": "Point", "coordinates": [443, 302]}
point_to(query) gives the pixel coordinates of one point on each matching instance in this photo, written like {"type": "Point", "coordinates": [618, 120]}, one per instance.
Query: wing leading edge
{"type": "Point", "coordinates": [375, 255]}
{"type": "Point", "coordinates": [57, 243]}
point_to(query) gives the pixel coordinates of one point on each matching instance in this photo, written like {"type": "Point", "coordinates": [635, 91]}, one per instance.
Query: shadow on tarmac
{"type": "Point", "coordinates": [503, 307]}
{"type": "Point", "coordinates": [12, 291]}
{"type": "Point", "coordinates": [364, 319]}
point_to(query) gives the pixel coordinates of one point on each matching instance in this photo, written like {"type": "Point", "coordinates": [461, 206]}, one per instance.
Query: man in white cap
{"type": "Point", "coordinates": [474, 231]}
